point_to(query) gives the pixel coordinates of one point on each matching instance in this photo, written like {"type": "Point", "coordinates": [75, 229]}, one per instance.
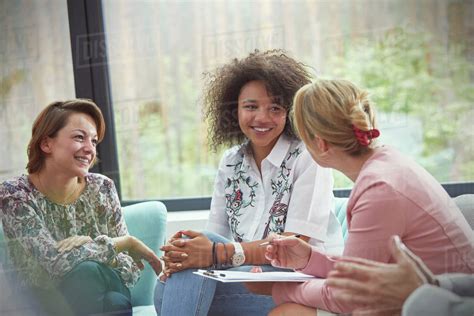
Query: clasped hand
{"type": "Point", "coordinates": [186, 249]}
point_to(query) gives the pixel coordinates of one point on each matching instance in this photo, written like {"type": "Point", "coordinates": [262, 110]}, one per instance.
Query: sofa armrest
{"type": "Point", "coordinates": [465, 203]}
{"type": "Point", "coordinates": [146, 221]}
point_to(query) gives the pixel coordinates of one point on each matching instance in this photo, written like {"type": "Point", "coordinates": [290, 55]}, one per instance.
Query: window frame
{"type": "Point", "coordinates": [91, 76]}
{"type": "Point", "coordinates": [92, 81]}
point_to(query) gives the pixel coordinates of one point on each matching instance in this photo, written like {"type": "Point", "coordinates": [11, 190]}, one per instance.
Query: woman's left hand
{"type": "Point", "coordinates": [72, 242]}
{"type": "Point", "coordinates": [138, 251]}
{"type": "Point", "coordinates": [185, 253]}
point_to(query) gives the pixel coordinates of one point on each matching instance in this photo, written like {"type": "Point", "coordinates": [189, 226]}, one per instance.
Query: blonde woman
{"type": "Point", "coordinates": [392, 195]}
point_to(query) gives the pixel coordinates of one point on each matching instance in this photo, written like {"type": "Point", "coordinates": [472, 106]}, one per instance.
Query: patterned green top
{"type": "Point", "coordinates": [33, 225]}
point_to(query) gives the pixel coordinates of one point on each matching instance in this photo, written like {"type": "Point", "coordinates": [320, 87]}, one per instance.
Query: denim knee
{"type": "Point", "coordinates": [158, 296]}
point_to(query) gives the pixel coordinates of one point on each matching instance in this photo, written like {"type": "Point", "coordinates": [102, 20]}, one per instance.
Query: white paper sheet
{"type": "Point", "coordinates": [239, 276]}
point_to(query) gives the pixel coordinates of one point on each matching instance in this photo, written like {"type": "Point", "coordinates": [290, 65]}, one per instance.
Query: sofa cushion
{"type": "Point", "coordinates": [465, 203]}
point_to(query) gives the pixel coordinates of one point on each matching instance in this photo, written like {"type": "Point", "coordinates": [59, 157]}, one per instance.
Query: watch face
{"type": "Point", "coordinates": [239, 256]}
{"type": "Point", "coordinates": [238, 259]}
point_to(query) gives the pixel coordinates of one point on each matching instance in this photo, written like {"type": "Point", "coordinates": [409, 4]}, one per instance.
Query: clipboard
{"type": "Point", "coordinates": [227, 276]}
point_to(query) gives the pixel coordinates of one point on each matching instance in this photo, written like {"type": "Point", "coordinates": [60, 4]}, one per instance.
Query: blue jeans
{"type": "Point", "coordinates": [188, 294]}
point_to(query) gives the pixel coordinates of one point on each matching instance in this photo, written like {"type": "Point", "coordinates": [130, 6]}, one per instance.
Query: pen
{"type": "Point", "coordinates": [269, 242]}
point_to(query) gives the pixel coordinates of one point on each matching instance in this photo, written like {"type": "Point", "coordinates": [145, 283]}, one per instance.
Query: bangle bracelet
{"type": "Point", "coordinates": [214, 258]}
{"type": "Point", "coordinates": [223, 264]}
{"type": "Point", "coordinates": [226, 258]}
{"type": "Point", "coordinates": [218, 265]}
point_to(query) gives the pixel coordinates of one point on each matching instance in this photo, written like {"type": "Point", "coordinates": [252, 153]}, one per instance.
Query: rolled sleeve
{"type": "Point", "coordinates": [217, 222]}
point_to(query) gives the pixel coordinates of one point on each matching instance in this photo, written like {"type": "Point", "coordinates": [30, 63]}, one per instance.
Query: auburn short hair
{"type": "Point", "coordinates": [53, 118]}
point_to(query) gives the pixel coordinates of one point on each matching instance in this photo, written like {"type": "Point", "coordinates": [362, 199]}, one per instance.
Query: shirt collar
{"type": "Point", "coordinates": [277, 154]}
{"type": "Point", "coordinates": [279, 151]}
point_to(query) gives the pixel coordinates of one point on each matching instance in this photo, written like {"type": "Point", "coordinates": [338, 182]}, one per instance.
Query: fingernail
{"type": "Point", "coordinates": [179, 265]}
{"type": "Point", "coordinates": [184, 255]}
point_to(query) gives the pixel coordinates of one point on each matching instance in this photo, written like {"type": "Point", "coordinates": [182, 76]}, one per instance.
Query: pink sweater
{"type": "Point", "coordinates": [391, 196]}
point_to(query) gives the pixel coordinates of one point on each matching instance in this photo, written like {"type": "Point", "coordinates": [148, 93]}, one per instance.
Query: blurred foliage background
{"type": "Point", "coordinates": [414, 56]}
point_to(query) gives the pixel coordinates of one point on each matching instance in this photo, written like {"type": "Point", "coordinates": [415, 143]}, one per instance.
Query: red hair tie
{"type": "Point", "coordinates": [365, 137]}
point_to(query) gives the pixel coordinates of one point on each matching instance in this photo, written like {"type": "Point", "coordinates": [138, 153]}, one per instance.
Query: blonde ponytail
{"type": "Point", "coordinates": [338, 112]}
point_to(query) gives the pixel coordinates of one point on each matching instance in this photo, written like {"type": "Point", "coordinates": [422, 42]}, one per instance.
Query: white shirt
{"type": "Point", "coordinates": [292, 194]}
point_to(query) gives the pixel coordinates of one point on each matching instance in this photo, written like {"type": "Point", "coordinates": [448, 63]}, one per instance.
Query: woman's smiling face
{"type": "Point", "coordinates": [261, 119]}
{"type": "Point", "coordinates": [73, 150]}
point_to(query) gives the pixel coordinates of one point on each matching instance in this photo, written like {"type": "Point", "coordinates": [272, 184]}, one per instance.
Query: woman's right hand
{"type": "Point", "coordinates": [288, 252]}
{"type": "Point", "coordinates": [72, 242]}
{"type": "Point", "coordinates": [184, 253]}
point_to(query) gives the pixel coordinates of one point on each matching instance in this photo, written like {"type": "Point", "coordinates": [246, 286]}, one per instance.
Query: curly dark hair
{"type": "Point", "coordinates": [282, 75]}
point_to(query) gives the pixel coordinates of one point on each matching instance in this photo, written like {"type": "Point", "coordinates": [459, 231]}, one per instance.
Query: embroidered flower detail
{"type": "Point", "coordinates": [281, 186]}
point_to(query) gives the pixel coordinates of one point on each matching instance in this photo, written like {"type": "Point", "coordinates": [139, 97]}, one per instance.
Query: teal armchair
{"type": "Point", "coordinates": [146, 221]}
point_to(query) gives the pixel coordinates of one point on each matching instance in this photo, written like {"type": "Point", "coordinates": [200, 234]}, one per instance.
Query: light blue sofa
{"type": "Point", "coordinates": [146, 221]}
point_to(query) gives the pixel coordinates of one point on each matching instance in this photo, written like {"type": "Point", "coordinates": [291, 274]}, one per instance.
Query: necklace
{"type": "Point", "coordinates": [67, 199]}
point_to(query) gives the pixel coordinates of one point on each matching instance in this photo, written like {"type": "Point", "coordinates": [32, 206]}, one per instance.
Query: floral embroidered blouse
{"type": "Point", "coordinates": [33, 225]}
{"type": "Point", "coordinates": [292, 194]}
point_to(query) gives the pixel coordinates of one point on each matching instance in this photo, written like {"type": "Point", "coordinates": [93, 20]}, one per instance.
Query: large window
{"type": "Point", "coordinates": [412, 55]}
{"type": "Point", "coordinates": [35, 69]}
{"type": "Point", "coordinates": [416, 57]}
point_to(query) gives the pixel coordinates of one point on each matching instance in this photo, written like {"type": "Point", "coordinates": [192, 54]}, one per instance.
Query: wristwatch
{"type": "Point", "coordinates": [239, 256]}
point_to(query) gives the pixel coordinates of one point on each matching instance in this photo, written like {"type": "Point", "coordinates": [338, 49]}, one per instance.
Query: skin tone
{"type": "Point", "coordinates": [289, 252]}
{"type": "Point", "coordinates": [378, 287]}
{"type": "Point", "coordinates": [262, 121]}
{"type": "Point", "coordinates": [68, 157]}
{"type": "Point", "coordinates": [330, 156]}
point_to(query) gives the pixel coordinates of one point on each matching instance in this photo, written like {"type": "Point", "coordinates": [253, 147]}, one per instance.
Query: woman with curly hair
{"type": "Point", "coordinates": [267, 183]}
